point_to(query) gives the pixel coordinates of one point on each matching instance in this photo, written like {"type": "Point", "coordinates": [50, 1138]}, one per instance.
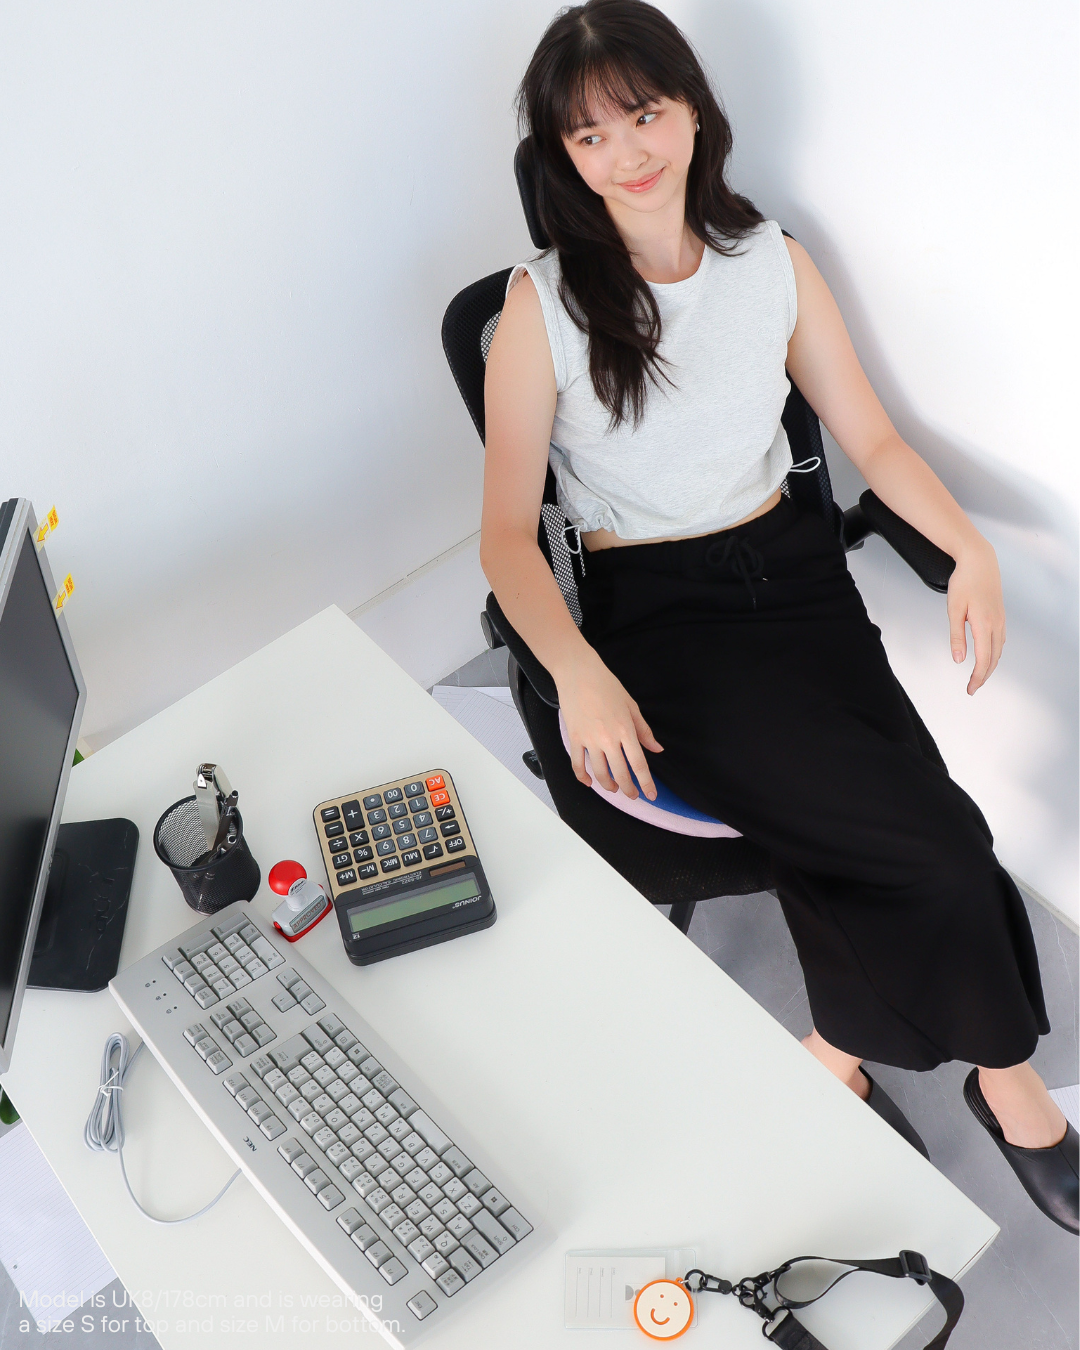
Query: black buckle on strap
{"type": "Point", "coordinates": [914, 1266]}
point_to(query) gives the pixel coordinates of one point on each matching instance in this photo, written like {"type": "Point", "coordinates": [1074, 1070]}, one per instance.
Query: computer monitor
{"type": "Point", "coordinates": [42, 696]}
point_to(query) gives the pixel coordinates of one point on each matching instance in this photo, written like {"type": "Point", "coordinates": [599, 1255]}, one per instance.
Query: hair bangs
{"type": "Point", "coordinates": [600, 82]}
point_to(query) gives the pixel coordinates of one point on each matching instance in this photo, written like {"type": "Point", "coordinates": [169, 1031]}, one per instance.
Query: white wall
{"type": "Point", "coordinates": [229, 235]}
{"type": "Point", "coordinates": [231, 231]}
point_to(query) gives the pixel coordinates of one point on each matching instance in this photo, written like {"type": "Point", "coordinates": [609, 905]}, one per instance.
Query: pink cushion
{"type": "Point", "coordinates": [651, 812]}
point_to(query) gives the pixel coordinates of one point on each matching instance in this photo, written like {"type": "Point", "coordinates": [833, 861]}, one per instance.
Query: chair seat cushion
{"type": "Point", "coordinates": [668, 812]}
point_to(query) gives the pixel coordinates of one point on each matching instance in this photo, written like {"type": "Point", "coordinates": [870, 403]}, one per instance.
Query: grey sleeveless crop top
{"type": "Point", "coordinates": [709, 451]}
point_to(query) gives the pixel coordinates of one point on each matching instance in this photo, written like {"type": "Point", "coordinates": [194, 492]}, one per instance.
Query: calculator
{"type": "Point", "coordinates": [402, 866]}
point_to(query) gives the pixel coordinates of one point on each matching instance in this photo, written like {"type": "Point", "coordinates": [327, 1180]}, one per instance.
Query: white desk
{"type": "Point", "coordinates": [621, 1081]}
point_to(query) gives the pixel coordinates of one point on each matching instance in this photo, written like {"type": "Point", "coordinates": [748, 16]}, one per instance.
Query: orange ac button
{"type": "Point", "coordinates": [434, 782]}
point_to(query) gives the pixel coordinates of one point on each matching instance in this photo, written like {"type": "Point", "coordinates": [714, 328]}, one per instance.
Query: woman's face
{"type": "Point", "coordinates": [636, 161]}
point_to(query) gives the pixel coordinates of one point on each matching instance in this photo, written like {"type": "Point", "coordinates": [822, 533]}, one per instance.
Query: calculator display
{"type": "Point", "coordinates": [363, 917]}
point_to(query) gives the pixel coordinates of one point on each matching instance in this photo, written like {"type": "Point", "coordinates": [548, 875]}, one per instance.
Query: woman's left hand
{"type": "Point", "coordinates": [975, 598]}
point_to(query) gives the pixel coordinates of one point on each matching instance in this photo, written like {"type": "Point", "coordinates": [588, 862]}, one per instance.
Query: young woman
{"type": "Point", "coordinates": [724, 644]}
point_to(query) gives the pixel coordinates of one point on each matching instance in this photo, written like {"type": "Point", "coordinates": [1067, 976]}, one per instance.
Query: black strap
{"type": "Point", "coordinates": [789, 1333]}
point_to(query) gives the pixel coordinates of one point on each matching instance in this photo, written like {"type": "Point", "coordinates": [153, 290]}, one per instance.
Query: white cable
{"type": "Point", "coordinates": [104, 1129]}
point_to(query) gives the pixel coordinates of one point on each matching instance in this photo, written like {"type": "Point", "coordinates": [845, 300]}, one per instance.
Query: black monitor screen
{"type": "Point", "coordinates": [38, 698]}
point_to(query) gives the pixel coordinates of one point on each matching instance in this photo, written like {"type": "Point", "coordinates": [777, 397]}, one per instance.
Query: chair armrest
{"type": "Point", "coordinates": [931, 565]}
{"type": "Point", "coordinates": [534, 672]}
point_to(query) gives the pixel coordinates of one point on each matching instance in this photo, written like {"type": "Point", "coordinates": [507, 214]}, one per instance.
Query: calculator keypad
{"type": "Point", "coordinates": [404, 825]}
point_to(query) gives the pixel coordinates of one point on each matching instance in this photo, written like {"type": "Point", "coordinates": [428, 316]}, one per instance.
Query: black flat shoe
{"type": "Point", "coordinates": [883, 1105]}
{"type": "Point", "coordinates": [1049, 1175]}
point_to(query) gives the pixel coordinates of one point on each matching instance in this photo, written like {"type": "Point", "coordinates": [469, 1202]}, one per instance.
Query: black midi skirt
{"type": "Point", "coordinates": [753, 659]}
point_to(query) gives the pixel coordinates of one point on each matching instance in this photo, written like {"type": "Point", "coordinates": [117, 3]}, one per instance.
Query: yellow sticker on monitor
{"type": "Point", "coordinates": [48, 522]}
{"type": "Point", "coordinates": [64, 592]}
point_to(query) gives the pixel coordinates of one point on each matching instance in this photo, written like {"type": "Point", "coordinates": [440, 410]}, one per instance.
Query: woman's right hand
{"type": "Point", "coordinates": [604, 720]}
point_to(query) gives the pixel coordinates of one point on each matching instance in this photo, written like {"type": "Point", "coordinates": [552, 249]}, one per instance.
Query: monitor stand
{"type": "Point", "coordinates": [82, 919]}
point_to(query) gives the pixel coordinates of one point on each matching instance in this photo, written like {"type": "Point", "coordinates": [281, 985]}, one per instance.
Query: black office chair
{"type": "Point", "coordinates": [667, 868]}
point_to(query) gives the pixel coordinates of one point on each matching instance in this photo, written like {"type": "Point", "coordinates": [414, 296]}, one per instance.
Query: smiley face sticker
{"type": "Point", "coordinates": [663, 1309]}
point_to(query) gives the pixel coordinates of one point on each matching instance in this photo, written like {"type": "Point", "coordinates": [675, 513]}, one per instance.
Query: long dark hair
{"type": "Point", "coordinates": [622, 53]}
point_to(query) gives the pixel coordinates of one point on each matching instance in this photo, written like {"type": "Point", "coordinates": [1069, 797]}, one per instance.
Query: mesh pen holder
{"type": "Point", "coordinates": [208, 883]}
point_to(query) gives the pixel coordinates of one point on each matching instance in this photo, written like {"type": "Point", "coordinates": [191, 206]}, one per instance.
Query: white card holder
{"type": "Point", "coordinates": [601, 1285]}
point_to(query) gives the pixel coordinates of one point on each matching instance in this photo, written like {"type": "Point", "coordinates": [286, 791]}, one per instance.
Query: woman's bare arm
{"type": "Point", "coordinates": [519, 401]}
{"type": "Point", "coordinates": [822, 362]}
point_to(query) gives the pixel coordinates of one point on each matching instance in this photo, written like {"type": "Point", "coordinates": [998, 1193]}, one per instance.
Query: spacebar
{"type": "Point", "coordinates": [426, 1128]}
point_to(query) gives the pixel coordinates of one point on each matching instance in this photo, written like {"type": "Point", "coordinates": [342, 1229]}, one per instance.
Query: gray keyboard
{"type": "Point", "coordinates": [392, 1198]}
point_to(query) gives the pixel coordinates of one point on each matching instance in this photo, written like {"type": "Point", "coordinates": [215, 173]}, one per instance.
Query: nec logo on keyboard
{"type": "Point", "coordinates": [250, 1144]}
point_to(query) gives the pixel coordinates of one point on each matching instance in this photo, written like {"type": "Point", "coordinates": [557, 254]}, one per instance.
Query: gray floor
{"type": "Point", "coordinates": [1023, 1292]}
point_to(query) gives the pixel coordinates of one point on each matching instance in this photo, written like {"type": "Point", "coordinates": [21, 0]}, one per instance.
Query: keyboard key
{"type": "Point", "coordinates": [333, 829]}
{"type": "Point", "coordinates": [421, 819]}
{"type": "Point", "coordinates": [329, 813]}
{"type": "Point", "coordinates": [412, 1143]}
{"type": "Point", "coordinates": [288, 977]}
{"type": "Point", "coordinates": [444, 1210]}
{"type": "Point", "coordinates": [205, 998]}
{"type": "Point", "coordinates": [456, 845]}
{"type": "Point", "coordinates": [417, 1211]}
{"type": "Point", "coordinates": [493, 1230]}
{"type": "Point", "coordinates": [349, 1134]}
{"type": "Point", "coordinates": [400, 1129]}
{"type": "Point", "coordinates": [479, 1247]}
{"type": "Point", "coordinates": [397, 811]}
{"type": "Point", "coordinates": [350, 1220]}
{"type": "Point", "coordinates": [350, 1169]}
{"type": "Point", "coordinates": [246, 1096]}
{"type": "Point", "coordinates": [434, 782]}
{"type": "Point", "coordinates": [311, 1122]}
{"type": "Point", "coordinates": [378, 1200]}
{"type": "Point", "coordinates": [218, 1061]}
{"type": "Point", "coordinates": [245, 1045]}
{"type": "Point", "coordinates": [439, 1172]}
{"type": "Point", "coordinates": [465, 1264]}
{"type": "Point", "coordinates": [432, 851]}
{"type": "Point", "coordinates": [377, 818]}
{"type": "Point", "coordinates": [435, 1265]}
{"type": "Point", "coordinates": [379, 1253]}
{"type": "Point", "coordinates": [383, 848]}
{"type": "Point", "coordinates": [264, 1034]}
{"type": "Point", "coordinates": [450, 1283]}
{"type": "Point", "coordinates": [477, 1182]}
{"type": "Point", "coordinates": [291, 1149]}
{"type": "Point", "coordinates": [453, 1156]}
{"type": "Point", "coordinates": [272, 1127]}
{"type": "Point", "coordinates": [363, 855]}
{"type": "Point", "coordinates": [365, 1184]}
{"type": "Point", "coordinates": [392, 795]}
{"type": "Point", "coordinates": [439, 798]}
{"type": "Point", "coordinates": [372, 801]}
{"type": "Point", "coordinates": [341, 859]}
{"type": "Point", "coordinates": [283, 1001]}
{"type": "Point", "coordinates": [455, 1188]}
{"type": "Point", "coordinates": [413, 789]}
{"type": "Point", "coordinates": [315, 1181]}
{"type": "Point", "coordinates": [299, 1108]}
{"type": "Point", "coordinates": [428, 835]}
{"type": "Point", "coordinates": [402, 826]}
{"type": "Point", "coordinates": [420, 1249]}
{"type": "Point", "coordinates": [195, 1033]}
{"type": "Point", "coordinates": [350, 1103]}
{"type": "Point", "coordinates": [256, 968]}
{"type": "Point", "coordinates": [352, 814]}
{"type": "Point", "coordinates": [346, 877]}
{"type": "Point", "coordinates": [358, 838]}
{"type": "Point", "coordinates": [445, 813]}
{"type": "Point", "coordinates": [334, 1057]}
{"type": "Point", "coordinates": [303, 1165]}
{"type": "Point", "coordinates": [494, 1201]}
{"type": "Point", "coordinates": [431, 1228]}
{"type": "Point", "coordinates": [364, 1237]}
{"type": "Point", "coordinates": [234, 1083]}
{"type": "Point", "coordinates": [445, 1242]}
{"type": "Point", "coordinates": [318, 1039]}
{"type": "Point", "coordinates": [287, 1094]}
{"type": "Point", "coordinates": [421, 1304]}
{"type": "Point", "coordinates": [422, 1123]}
{"type": "Point", "coordinates": [362, 1149]}
{"type": "Point", "coordinates": [430, 1194]}
{"type": "Point", "coordinates": [388, 865]}
{"type": "Point", "coordinates": [449, 827]}
{"type": "Point", "coordinates": [400, 1100]}
{"type": "Point", "coordinates": [469, 1204]}
{"type": "Point", "coordinates": [392, 1270]}
{"type": "Point", "coordinates": [405, 843]}
{"type": "Point", "coordinates": [259, 1112]}
{"type": "Point", "coordinates": [459, 1226]}
{"type": "Point", "coordinates": [418, 804]}
{"type": "Point", "coordinates": [368, 871]}
{"type": "Point", "coordinates": [330, 1196]}
{"type": "Point", "coordinates": [324, 1138]}
{"type": "Point", "coordinates": [173, 959]}
{"type": "Point", "coordinates": [515, 1224]}
{"type": "Point", "coordinates": [336, 1119]}
{"type": "Point", "coordinates": [392, 1215]}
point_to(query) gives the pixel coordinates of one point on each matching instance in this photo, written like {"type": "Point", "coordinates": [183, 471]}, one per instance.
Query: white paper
{"type": "Point", "coordinates": [489, 715]}
{"type": "Point", "coordinates": [45, 1247]}
{"type": "Point", "coordinates": [1068, 1098]}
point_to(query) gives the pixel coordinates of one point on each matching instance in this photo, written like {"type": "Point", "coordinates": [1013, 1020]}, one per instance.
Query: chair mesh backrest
{"type": "Point", "coordinates": [467, 330]}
